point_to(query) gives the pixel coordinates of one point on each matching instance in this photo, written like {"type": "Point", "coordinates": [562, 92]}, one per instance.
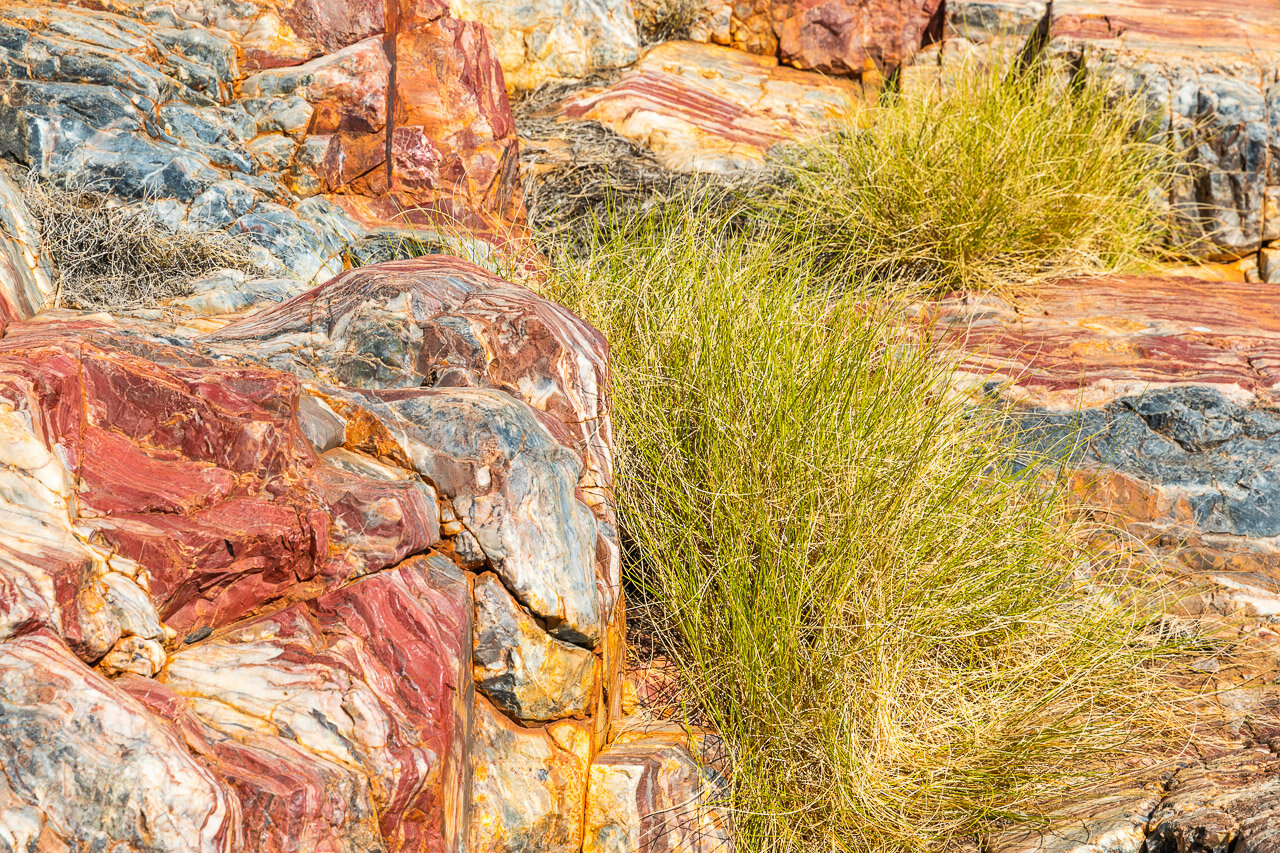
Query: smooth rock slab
{"type": "Point", "coordinates": [705, 108]}
{"type": "Point", "coordinates": [1160, 393]}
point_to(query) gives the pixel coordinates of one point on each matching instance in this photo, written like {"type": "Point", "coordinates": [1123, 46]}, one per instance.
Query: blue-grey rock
{"type": "Point", "coordinates": [523, 670]}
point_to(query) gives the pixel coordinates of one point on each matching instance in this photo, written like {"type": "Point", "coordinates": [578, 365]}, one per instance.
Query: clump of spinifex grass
{"type": "Point", "coordinates": [112, 256]}
{"type": "Point", "coordinates": [883, 614]}
{"type": "Point", "coordinates": [982, 177]}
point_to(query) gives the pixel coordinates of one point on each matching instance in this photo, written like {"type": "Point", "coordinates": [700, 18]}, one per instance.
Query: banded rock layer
{"type": "Point", "coordinates": [340, 575]}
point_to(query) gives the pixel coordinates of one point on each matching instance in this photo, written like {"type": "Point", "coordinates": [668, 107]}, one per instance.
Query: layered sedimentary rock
{"type": "Point", "coordinates": [302, 125]}
{"type": "Point", "coordinates": [1161, 393]}
{"type": "Point", "coordinates": [340, 575]}
{"type": "Point", "coordinates": [539, 41]}
{"type": "Point", "coordinates": [1224, 802]}
{"type": "Point", "coordinates": [712, 109]}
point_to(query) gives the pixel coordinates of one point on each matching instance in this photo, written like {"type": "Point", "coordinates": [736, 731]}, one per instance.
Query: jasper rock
{"type": "Point", "coordinates": [851, 36]}
{"type": "Point", "coordinates": [271, 574]}
{"type": "Point", "coordinates": [346, 89]}
{"type": "Point", "coordinates": [1166, 414]}
{"type": "Point", "coordinates": [651, 795]}
{"type": "Point", "coordinates": [528, 785]}
{"type": "Point", "coordinates": [51, 577]}
{"type": "Point", "coordinates": [705, 108]}
{"type": "Point", "coordinates": [538, 41]}
{"type": "Point", "coordinates": [440, 321]}
{"type": "Point", "coordinates": [26, 278]}
{"type": "Point", "coordinates": [225, 517]}
{"type": "Point", "coordinates": [525, 672]}
{"type": "Point", "coordinates": [513, 487]}
{"type": "Point", "coordinates": [158, 110]}
{"type": "Point", "coordinates": [84, 766]}
{"type": "Point", "coordinates": [374, 677]}
{"type": "Point", "coordinates": [1210, 72]}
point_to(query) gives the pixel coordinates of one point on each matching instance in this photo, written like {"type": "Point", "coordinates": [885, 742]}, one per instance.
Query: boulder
{"type": "Point", "coordinates": [850, 37]}
{"type": "Point", "coordinates": [838, 37]}
{"type": "Point", "coordinates": [250, 606]}
{"type": "Point", "coordinates": [1211, 73]}
{"type": "Point", "coordinates": [705, 108]}
{"type": "Point", "coordinates": [539, 41]}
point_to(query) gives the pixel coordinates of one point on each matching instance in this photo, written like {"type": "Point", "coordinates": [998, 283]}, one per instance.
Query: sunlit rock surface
{"type": "Point", "coordinates": [1161, 393]}
{"type": "Point", "coordinates": [706, 108]}
{"type": "Point", "coordinates": [523, 670]}
{"type": "Point", "coordinates": [279, 121]}
{"type": "Point", "coordinates": [649, 791]}
{"type": "Point", "coordinates": [851, 36]}
{"type": "Point", "coordinates": [258, 587]}
{"type": "Point", "coordinates": [1221, 802]}
{"type": "Point", "coordinates": [540, 41]}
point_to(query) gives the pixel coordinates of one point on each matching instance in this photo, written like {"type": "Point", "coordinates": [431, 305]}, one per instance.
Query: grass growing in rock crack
{"type": "Point", "coordinates": [886, 619]}
{"type": "Point", "coordinates": [982, 177]}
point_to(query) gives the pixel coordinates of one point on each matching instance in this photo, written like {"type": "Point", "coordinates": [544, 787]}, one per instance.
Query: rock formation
{"type": "Point", "coordinates": [1161, 393]}
{"type": "Point", "coordinates": [306, 126]}
{"type": "Point", "coordinates": [289, 569]}
{"type": "Point", "coordinates": [341, 574]}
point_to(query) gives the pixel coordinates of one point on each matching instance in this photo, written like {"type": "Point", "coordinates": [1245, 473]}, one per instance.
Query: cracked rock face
{"type": "Point", "coordinates": [340, 575]}
{"type": "Point", "coordinates": [305, 126]}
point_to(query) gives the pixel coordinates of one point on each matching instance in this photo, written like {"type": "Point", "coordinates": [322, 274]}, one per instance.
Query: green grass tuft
{"type": "Point", "coordinates": [981, 177]}
{"type": "Point", "coordinates": [883, 613]}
